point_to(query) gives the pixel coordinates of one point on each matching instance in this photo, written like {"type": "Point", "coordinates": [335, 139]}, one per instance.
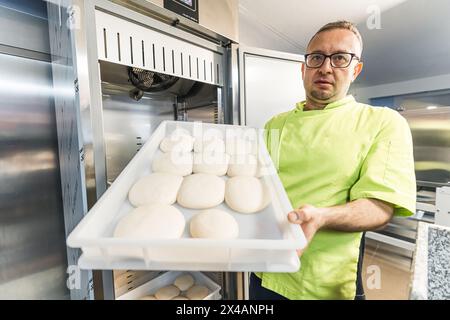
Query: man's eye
{"type": "Point", "coordinates": [316, 57]}
{"type": "Point", "coordinates": [340, 58]}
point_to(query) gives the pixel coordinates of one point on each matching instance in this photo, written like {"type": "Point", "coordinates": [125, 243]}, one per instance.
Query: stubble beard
{"type": "Point", "coordinates": [322, 95]}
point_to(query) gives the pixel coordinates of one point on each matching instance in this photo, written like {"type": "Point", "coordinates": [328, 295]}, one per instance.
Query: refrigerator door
{"type": "Point", "coordinates": [270, 83]}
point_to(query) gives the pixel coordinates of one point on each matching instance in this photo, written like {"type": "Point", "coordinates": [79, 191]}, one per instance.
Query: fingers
{"type": "Point", "coordinates": [293, 217]}
{"type": "Point", "coordinates": [298, 216]}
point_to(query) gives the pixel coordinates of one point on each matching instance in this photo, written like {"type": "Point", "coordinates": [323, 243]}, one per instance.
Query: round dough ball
{"type": "Point", "coordinates": [167, 293]}
{"type": "Point", "coordinates": [246, 194]}
{"type": "Point", "coordinates": [201, 191]}
{"type": "Point", "coordinates": [149, 297]}
{"type": "Point", "coordinates": [179, 141]}
{"type": "Point", "coordinates": [155, 188]}
{"type": "Point", "coordinates": [242, 165]}
{"type": "Point", "coordinates": [184, 282]}
{"type": "Point", "coordinates": [209, 145]}
{"type": "Point", "coordinates": [180, 298]}
{"type": "Point", "coordinates": [214, 224]}
{"type": "Point", "coordinates": [154, 221]}
{"type": "Point", "coordinates": [197, 293]}
{"type": "Point", "coordinates": [174, 163]}
{"type": "Point", "coordinates": [211, 163]}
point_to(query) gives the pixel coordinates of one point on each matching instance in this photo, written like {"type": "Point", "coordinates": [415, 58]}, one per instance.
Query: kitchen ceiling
{"type": "Point", "coordinates": [413, 36]}
{"type": "Point", "coordinates": [291, 23]}
{"type": "Point", "coordinates": [414, 42]}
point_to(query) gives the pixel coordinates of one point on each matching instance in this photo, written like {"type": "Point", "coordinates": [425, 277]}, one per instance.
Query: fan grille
{"type": "Point", "coordinates": [150, 81]}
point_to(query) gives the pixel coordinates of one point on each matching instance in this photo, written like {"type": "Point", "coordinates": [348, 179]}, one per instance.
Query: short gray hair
{"type": "Point", "coordinates": [341, 24]}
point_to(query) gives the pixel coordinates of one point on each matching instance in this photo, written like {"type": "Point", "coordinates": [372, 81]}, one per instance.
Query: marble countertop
{"type": "Point", "coordinates": [431, 266]}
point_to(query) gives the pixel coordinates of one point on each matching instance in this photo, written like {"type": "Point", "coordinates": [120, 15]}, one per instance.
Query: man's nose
{"type": "Point", "coordinates": [326, 66]}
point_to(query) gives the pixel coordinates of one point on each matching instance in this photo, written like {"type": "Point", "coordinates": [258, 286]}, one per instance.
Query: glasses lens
{"type": "Point", "coordinates": [314, 60]}
{"type": "Point", "coordinates": [341, 60]}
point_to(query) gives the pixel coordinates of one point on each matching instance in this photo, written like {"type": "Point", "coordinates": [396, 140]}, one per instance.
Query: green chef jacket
{"type": "Point", "coordinates": [328, 157]}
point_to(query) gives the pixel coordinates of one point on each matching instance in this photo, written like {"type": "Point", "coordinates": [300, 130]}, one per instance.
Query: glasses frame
{"type": "Point", "coordinates": [353, 56]}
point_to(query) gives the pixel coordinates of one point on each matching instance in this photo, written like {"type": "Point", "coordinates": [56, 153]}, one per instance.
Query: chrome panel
{"type": "Point", "coordinates": [428, 116]}
{"type": "Point", "coordinates": [32, 248]}
{"type": "Point", "coordinates": [24, 53]}
{"type": "Point", "coordinates": [231, 90]}
{"type": "Point", "coordinates": [128, 125]}
{"type": "Point", "coordinates": [74, 135]}
{"type": "Point", "coordinates": [33, 31]}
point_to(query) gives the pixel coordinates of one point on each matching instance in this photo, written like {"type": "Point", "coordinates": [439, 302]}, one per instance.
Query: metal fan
{"type": "Point", "coordinates": [148, 81]}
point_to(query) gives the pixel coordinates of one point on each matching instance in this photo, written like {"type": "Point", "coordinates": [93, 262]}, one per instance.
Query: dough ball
{"type": "Point", "coordinates": [149, 297]}
{"type": "Point", "coordinates": [179, 140]}
{"type": "Point", "coordinates": [246, 194]}
{"type": "Point", "coordinates": [197, 293]}
{"type": "Point", "coordinates": [209, 145]}
{"type": "Point", "coordinates": [154, 221]}
{"type": "Point", "coordinates": [157, 187]}
{"type": "Point", "coordinates": [201, 191]}
{"type": "Point", "coordinates": [211, 163]}
{"type": "Point", "coordinates": [174, 163]}
{"type": "Point", "coordinates": [180, 298]}
{"type": "Point", "coordinates": [236, 145]}
{"type": "Point", "coordinates": [184, 282]}
{"type": "Point", "coordinates": [167, 293]}
{"type": "Point", "coordinates": [242, 165]}
{"type": "Point", "coordinates": [214, 224]}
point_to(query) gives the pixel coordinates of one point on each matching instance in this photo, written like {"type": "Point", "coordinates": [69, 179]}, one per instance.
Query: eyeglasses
{"type": "Point", "coordinates": [338, 59]}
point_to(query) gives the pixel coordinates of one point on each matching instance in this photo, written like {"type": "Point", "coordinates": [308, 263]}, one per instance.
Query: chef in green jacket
{"type": "Point", "coordinates": [347, 168]}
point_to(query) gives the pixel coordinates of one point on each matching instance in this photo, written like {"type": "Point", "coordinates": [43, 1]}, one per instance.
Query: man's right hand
{"type": "Point", "coordinates": [310, 219]}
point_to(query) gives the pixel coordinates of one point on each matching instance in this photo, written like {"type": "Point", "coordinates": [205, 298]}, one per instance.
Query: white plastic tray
{"type": "Point", "coordinates": [267, 241]}
{"type": "Point", "coordinates": [167, 279]}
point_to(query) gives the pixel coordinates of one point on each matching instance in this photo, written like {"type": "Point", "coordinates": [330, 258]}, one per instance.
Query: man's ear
{"type": "Point", "coordinates": [303, 71]}
{"type": "Point", "coordinates": [357, 70]}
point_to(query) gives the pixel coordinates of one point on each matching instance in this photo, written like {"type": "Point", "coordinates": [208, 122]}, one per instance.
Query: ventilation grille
{"type": "Point", "coordinates": [121, 41]}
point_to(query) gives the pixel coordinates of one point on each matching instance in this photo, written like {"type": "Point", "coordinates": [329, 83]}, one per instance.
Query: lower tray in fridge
{"type": "Point", "coordinates": [167, 279]}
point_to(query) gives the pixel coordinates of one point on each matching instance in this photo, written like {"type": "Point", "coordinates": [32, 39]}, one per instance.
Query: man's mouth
{"type": "Point", "coordinates": [323, 82]}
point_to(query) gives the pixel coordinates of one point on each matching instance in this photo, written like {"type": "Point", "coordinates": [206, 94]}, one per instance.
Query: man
{"type": "Point", "coordinates": [347, 168]}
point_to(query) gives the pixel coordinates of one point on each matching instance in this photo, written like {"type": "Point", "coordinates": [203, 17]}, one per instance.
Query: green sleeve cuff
{"type": "Point", "coordinates": [403, 206]}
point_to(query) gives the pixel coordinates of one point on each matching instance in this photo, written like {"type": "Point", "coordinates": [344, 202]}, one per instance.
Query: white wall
{"type": "Point", "coordinates": [363, 94]}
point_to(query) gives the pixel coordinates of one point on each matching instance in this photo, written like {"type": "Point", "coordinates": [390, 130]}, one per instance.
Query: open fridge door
{"type": "Point", "coordinates": [270, 83]}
